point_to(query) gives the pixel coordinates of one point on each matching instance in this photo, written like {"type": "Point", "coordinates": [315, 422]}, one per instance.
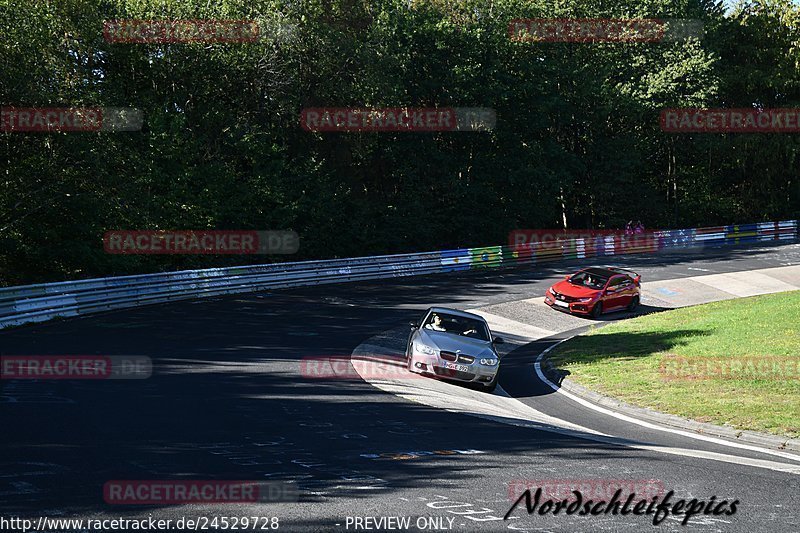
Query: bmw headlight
{"type": "Point", "coordinates": [424, 348]}
{"type": "Point", "coordinates": [489, 361]}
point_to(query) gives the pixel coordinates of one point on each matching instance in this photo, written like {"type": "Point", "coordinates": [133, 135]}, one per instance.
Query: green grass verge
{"type": "Point", "coordinates": [630, 360]}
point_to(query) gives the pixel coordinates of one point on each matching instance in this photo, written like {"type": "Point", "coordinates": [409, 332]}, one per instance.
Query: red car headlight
{"type": "Point", "coordinates": [584, 300]}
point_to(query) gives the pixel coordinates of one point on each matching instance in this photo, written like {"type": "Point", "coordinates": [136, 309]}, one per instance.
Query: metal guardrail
{"type": "Point", "coordinates": [35, 303]}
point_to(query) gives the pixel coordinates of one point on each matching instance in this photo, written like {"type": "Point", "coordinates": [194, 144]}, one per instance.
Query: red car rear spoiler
{"type": "Point", "coordinates": [637, 278]}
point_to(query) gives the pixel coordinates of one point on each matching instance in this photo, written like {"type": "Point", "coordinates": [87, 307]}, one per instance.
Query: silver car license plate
{"type": "Point", "coordinates": [453, 366]}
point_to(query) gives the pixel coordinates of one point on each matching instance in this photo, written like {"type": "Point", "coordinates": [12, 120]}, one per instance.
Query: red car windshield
{"type": "Point", "coordinates": [586, 279]}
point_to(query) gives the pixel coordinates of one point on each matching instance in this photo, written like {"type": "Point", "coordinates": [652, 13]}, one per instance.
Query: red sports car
{"type": "Point", "coordinates": [594, 291]}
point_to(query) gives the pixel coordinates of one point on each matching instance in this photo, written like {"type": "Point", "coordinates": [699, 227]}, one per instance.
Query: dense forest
{"type": "Point", "coordinates": [576, 143]}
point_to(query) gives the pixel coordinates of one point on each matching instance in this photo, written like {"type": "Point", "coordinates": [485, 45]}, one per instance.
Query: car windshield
{"type": "Point", "coordinates": [458, 325]}
{"type": "Point", "coordinates": [587, 279]}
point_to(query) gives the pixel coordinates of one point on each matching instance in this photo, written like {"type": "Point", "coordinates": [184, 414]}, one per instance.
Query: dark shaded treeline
{"type": "Point", "coordinates": [577, 135]}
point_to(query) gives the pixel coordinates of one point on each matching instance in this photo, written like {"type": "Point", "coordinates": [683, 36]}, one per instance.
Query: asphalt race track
{"type": "Point", "coordinates": [228, 401]}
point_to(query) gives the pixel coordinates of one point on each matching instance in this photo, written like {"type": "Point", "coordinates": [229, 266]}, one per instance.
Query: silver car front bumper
{"type": "Point", "coordinates": [433, 365]}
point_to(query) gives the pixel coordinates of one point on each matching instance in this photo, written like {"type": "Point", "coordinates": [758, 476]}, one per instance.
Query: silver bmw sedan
{"type": "Point", "coordinates": [453, 344]}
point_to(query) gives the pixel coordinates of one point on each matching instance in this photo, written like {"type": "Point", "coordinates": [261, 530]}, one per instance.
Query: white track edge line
{"type": "Point", "coordinates": [626, 418]}
{"type": "Point", "coordinates": [596, 436]}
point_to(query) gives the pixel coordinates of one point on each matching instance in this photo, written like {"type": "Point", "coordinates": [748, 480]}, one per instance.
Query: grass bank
{"type": "Point", "coordinates": [734, 363]}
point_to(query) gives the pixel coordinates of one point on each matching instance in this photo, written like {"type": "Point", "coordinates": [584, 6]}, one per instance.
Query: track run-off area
{"type": "Point", "coordinates": [230, 399]}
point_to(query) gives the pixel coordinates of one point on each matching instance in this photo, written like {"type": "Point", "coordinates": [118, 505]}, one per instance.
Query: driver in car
{"type": "Point", "coordinates": [436, 323]}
